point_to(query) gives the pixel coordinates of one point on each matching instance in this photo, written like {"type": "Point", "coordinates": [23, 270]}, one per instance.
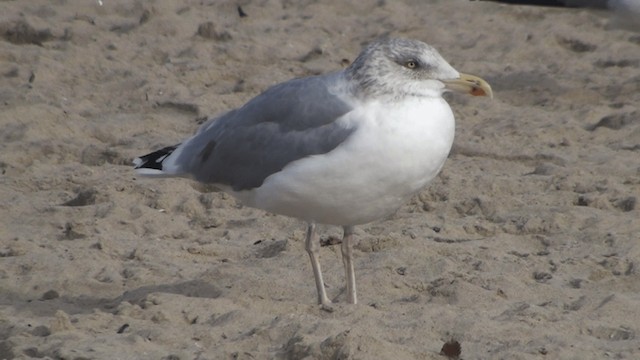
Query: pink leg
{"type": "Point", "coordinates": [347, 260]}
{"type": "Point", "coordinates": [312, 246]}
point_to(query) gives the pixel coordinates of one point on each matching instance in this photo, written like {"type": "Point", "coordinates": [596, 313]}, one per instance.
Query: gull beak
{"type": "Point", "coordinates": [469, 84]}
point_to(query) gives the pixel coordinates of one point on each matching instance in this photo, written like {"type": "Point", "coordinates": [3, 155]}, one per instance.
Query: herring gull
{"type": "Point", "coordinates": [344, 148]}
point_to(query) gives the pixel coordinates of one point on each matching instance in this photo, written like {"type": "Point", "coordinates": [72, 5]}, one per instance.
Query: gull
{"type": "Point", "coordinates": [344, 148]}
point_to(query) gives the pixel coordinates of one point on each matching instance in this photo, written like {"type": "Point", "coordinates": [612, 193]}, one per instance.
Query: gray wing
{"type": "Point", "coordinates": [287, 122]}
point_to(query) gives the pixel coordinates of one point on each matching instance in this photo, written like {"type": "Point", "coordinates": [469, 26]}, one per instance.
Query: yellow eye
{"type": "Point", "coordinates": [411, 64]}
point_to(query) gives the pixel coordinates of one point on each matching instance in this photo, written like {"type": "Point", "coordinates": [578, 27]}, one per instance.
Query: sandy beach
{"type": "Point", "coordinates": [526, 246]}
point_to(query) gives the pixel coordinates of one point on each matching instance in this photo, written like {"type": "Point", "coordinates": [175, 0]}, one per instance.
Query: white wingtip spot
{"type": "Point", "coordinates": [161, 158]}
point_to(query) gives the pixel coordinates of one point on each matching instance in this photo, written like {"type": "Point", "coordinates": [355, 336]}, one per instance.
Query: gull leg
{"type": "Point", "coordinates": [313, 246]}
{"type": "Point", "coordinates": [347, 260]}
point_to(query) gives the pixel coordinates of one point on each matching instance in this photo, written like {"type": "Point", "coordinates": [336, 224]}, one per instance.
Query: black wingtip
{"type": "Point", "coordinates": [154, 160]}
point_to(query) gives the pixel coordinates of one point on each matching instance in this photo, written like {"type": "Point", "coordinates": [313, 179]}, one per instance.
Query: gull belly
{"type": "Point", "coordinates": [387, 160]}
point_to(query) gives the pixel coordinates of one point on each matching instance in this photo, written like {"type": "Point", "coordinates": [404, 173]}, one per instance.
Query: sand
{"type": "Point", "coordinates": [525, 247]}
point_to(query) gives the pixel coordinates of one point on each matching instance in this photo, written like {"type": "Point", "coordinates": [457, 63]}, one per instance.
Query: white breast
{"type": "Point", "coordinates": [384, 162]}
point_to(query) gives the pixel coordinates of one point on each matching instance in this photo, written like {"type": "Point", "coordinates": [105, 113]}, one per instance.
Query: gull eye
{"type": "Point", "coordinates": [411, 64]}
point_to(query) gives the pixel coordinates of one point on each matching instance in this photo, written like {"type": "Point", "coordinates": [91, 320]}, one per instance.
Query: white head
{"type": "Point", "coordinates": [403, 67]}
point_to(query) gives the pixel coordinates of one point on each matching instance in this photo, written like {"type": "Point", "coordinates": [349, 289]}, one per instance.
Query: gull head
{"type": "Point", "coordinates": [400, 68]}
